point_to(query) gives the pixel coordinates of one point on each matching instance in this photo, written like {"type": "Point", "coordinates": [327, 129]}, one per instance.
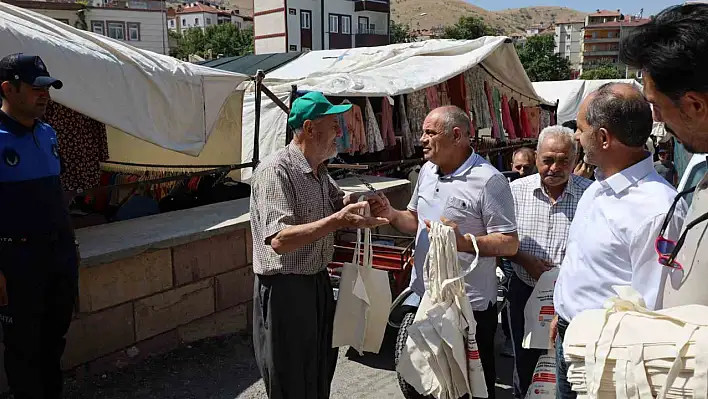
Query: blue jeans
{"type": "Point", "coordinates": [563, 389]}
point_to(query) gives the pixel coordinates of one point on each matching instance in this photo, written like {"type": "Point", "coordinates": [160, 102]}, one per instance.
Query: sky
{"type": "Point", "coordinates": [627, 6]}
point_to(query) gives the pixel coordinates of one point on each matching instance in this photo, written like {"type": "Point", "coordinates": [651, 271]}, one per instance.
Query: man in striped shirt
{"type": "Point", "coordinates": [545, 205]}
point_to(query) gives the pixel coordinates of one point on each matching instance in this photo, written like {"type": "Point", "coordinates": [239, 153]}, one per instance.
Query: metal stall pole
{"type": "Point", "coordinates": [288, 130]}
{"type": "Point", "coordinates": [257, 129]}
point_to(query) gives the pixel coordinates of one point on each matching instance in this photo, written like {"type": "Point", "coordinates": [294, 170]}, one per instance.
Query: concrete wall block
{"type": "Point", "coordinates": [124, 280]}
{"type": "Point", "coordinates": [97, 334]}
{"type": "Point", "coordinates": [229, 321]}
{"type": "Point", "coordinates": [165, 311]}
{"type": "Point", "coordinates": [234, 287]}
{"type": "Point", "coordinates": [205, 258]}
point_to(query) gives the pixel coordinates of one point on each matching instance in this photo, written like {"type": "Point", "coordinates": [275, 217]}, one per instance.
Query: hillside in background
{"type": "Point", "coordinates": [447, 12]}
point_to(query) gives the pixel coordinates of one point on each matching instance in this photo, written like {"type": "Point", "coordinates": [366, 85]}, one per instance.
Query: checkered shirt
{"type": "Point", "coordinates": [543, 227]}
{"type": "Point", "coordinates": [285, 192]}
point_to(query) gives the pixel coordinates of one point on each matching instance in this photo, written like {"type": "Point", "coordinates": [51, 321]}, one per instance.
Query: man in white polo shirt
{"type": "Point", "coordinates": [458, 186]}
{"type": "Point", "coordinates": [611, 238]}
{"type": "Point", "coordinates": [672, 52]}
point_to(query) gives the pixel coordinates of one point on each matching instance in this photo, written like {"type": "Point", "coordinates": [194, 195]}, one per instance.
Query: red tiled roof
{"type": "Point", "coordinates": [605, 13]}
{"type": "Point", "coordinates": [199, 8]}
{"type": "Point", "coordinates": [618, 24]}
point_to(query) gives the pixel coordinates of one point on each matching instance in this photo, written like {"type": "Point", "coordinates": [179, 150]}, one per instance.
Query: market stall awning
{"type": "Point", "coordinates": [154, 97]}
{"type": "Point", "coordinates": [252, 63]}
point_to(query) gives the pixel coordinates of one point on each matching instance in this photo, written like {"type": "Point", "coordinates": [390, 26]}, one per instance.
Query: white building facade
{"type": "Point", "coordinates": [569, 42]}
{"type": "Point", "coordinates": [200, 15]}
{"type": "Point", "coordinates": [301, 25]}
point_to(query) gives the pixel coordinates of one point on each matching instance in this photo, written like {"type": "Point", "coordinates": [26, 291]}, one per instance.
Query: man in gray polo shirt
{"type": "Point", "coordinates": [672, 52]}
{"type": "Point", "coordinates": [459, 187]}
{"type": "Point", "coordinates": [295, 210]}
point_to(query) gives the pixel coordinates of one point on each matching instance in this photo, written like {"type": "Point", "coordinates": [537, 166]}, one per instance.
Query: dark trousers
{"type": "Point", "coordinates": [563, 387]}
{"type": "Point", "coordinates": [293, 318]}
{"type": "Point", "coordinates": [508, 270]}
{"type": "Point", "coordinates": [42, 284]}
{"type": "Point", "coordinates": [524, 359]}
{"type": "Point", "coordinates": [486, 331]}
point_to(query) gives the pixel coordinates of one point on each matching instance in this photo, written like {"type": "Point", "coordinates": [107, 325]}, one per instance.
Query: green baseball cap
{"type": "Point", "coordinates": [311, 106]}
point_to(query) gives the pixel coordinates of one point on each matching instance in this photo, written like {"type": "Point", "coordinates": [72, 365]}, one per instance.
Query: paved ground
{"type": "Point", "coordinates": [225, 369]}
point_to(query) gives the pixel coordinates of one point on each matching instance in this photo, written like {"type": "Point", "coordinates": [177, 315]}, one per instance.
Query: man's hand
{"type": "Point", "coordinates": [352, 217]}
{"type": "Point", "coordinates": [463, 245]}
{"type": "Point", "coordinates": [584, 170]}
{"type": "Point", "coordinates": [537, 267]}
{"type": "Point", "coordinates": [381, 207]}
{"type": "Point", "coordinates": [553, 331]}
{"type": "Point", "coordinates": [3, 290]}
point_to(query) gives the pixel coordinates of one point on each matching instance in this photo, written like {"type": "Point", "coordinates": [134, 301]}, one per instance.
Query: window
{"type": "Point", "coordinates": [238, 24]}
{"type": "Point", "coordinates": [594, 35]}
{"type": "Point", "coordinates": [334, 23]}
{"type": "Point", "coordinates": [292, 11]}
{"type": "Point", "coordinates": [372, 27]}
{"type": "Point", "coordinates": [567, 37]}
{"type": "Point", "coordinates": [208, 21]}
{"type": "Point", "coordinates": [363, 24]}
{"type": "Point", "coordinates": [133, 31]}
{"type": "Point", "coordinates": [172, 23]}
{"type": "Point", "coordinates": [97, 27]}
{"type": "Point", "coordinates": [346, 24]}
{"type": "Point", "coordinates": [293, 47]}
{"type": "Point", "coordinates": [196, 21]}
{"type": "Point", "coordinates": [305, 19]}
{"type": "Point", "coordinates": [116, 30]}
{"type": "Point", "coordinates": [184, 22]}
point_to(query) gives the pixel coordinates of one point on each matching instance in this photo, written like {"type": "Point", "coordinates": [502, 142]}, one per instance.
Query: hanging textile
{"type": "Point", "coordinates": [444, 95]}
{"type": "Point", "coordinates": [83, 145]}
{"type": "Point", "coordinates": [374, 143]}
{"type": "Point", "coordinates": [516, 117]}
{"type": "Point", "coordinates": [553, 118]}
{"type": "Point", "coordinates": [343, 140]}
{"type": "Point", "coordinates": [506, 118]}
{"type": "Point", "coordinates": [525, 124]}
{"type": "Point", "coordinates": [477, 98]}
{"type": "Point", "coordinates": [387, 133]}
{"type": "Point", "coordinates": [431, 93]}
{"type": "Point", "coordinates": [544, 119]}
{"type": "Point", "coordinates": [456, 91]}
{"type": "Point", "coordinates": [492, 114]}
{"type": "Point", "coordinates": [534, 115]}
{"type": "Point", "coordinates": [496, 100]}
{"type": "Point", "coordinates": [407, 138]}
{"type": "Point", "coordinates": [417, 112]}
{"type": "Point", "coordinates": [355, 129]}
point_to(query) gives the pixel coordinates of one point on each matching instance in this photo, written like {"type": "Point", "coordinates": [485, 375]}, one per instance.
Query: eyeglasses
{"type": "Point", "coordinates": [669, 249]}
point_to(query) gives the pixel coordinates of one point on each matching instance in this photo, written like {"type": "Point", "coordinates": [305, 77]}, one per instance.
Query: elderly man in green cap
{"type": "Point", "coordinates": [295, 210]}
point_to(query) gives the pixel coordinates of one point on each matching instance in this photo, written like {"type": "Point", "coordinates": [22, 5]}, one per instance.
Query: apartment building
{"type": "Point", "coordinates": [300, 25]}
{"type": "Point", "coordinates": [568, 39]}
{"type": "Point", "coordinates": [138, 23]}
{"type": "Point", "coordinates": [202, 15]}
{"type": "Point", "coordinates": [601, 42]}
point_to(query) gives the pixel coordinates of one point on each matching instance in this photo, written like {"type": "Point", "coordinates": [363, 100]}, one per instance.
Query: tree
{"type": "Point", "coordinates": [602, 71]}
{"type": "Point", "coordinates": [401, 33]}
{"type": "Point", "coordinates": [469, 28]}
{"type": "Point", "coordinates": [540, 61]}
{"type": "Point", "coordinates": [224, 39]}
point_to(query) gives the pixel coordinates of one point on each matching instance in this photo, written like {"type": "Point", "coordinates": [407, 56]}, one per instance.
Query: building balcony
{"type": "Point", "coordinates": [602, 40]}
{"type": "Point", "coordinates": [370, 38]}
{"type": "Point", "coordinates": [601, 52]}
{"type": "Point", "coordinates": [372, 5]}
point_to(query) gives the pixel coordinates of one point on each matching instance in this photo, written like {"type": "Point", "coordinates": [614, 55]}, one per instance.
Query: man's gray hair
{"type": "Point", "coordinates": [626, 117]}
{"type": "Point", "coordinates": [453, 117]}
{"type": "Point", "coordinates": [561, 132]}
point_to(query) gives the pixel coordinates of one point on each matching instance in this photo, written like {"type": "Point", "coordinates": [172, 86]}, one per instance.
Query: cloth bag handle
{"type": "Point", "coordinates": [368, 261]}
{"type": "Point", "coordinates": [444, 244]}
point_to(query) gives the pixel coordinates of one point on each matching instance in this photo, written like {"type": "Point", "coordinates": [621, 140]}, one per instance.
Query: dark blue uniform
{"type": "Point", "coordinates": [38, 256]}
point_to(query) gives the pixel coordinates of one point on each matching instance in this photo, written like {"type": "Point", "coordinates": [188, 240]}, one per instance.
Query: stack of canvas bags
{"type": "Point", "coordinates": [628, 351]}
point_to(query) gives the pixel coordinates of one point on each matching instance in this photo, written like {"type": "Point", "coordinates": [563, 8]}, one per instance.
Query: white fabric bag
{"type": "Point", "coordinates": [441, 357]}
{"type": "Point", "coordinates": [543, 383]}
{"type": "Point", "coordinates": [539, 312]}
{"type": "Point", "coordinates": [628, 351]}
{"type": "Point", "coordinates": [364, 300]}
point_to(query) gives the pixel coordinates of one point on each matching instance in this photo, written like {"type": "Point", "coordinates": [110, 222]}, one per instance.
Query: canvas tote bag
{"type": "Point", "coordinates": [441, 357]}
{"type": "Point", "coordinates": [629, 351]}
{"type": "Point", "coordinates": [364, 300]}
{"type": "Point", "coordinates": [539, 312]}
{"type": "Point", "coordinates": [543, 383]}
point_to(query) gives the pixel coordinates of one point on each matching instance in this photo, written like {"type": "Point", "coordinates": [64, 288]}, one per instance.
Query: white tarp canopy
{"type": "Point", "coordinates": [154, 97]}
{"type": "Point", "coordinates": [379, 71]}
{"type": "Point", "coordinates": [571, 93]}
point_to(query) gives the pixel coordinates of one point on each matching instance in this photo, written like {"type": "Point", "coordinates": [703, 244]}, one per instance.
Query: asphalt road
{"type": "Point", "coordinates": [224, 368]}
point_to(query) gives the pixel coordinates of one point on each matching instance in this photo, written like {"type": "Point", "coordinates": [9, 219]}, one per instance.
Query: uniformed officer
{"type": "Point", "coordinates": [38, 251]}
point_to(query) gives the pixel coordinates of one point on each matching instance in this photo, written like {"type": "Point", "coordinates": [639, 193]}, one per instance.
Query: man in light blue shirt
{"type": "Point", "coordinates": [612, 237]}
{"type": "Point", "coordinates": [458, 186]}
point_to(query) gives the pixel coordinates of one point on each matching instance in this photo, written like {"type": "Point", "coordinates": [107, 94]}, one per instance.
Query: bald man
{"type": "Point", "coordinates": [524, 161]}
{"type": "Point", "coordinates": [611, 238]}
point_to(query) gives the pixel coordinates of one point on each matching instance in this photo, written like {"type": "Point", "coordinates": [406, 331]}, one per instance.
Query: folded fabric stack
{"type": "Point", "coordinates": [628, 351]}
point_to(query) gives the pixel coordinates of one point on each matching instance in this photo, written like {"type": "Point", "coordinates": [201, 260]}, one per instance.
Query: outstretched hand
{"type": "Point", "coordinates": [352, 216]}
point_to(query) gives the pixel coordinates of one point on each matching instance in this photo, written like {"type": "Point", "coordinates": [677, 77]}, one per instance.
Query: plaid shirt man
{"type": "Point", "coordinates": [287, 192]}
{"type": "Point", "coordinates": [543, 226]}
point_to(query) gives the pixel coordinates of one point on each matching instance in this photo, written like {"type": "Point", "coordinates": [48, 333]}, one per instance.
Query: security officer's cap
{"type": "Point", "coordinates": [29, 69]}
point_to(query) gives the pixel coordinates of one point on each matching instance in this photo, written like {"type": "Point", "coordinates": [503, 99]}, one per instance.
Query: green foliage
{"type": "Point", "coordinates": [469, 28]}
{"type": "Point", "coordinates": [225, 39]}
{"type": "Point", "coordinates": [401, 33]}
{"type": "Point", "coordinates": [541, 63]}
{"type": "Point", "coordinates": [602, 71]}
